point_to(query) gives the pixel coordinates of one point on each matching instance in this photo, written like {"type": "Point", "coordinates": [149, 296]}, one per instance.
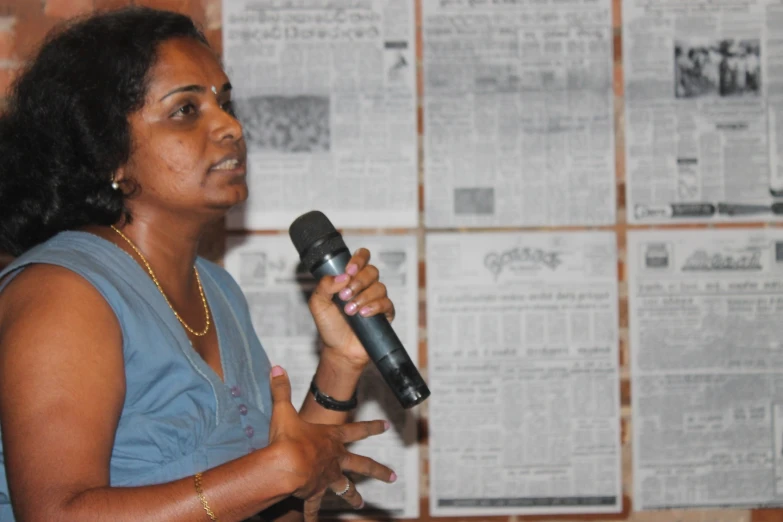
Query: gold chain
{"type": "Point", "coordinates": [155, 280]}
{"type": "Point", "coordinates": [202, 498]}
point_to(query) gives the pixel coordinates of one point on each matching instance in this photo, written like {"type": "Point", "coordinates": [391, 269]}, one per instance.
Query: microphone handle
{"type": "Point", "coordinates": [381, 342]}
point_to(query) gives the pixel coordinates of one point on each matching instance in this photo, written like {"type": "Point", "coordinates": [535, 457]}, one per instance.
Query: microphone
{"type": "Point", "coordinates": [323, 252]}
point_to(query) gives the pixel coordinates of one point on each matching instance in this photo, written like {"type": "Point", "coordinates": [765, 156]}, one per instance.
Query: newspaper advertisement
{"type": "Point", "coordinates": [707, 367]}
{"type": "Point", "coordinates": [523, 364]}
{"type": "Point", "coordinates": [518, 113]}
{"type": "Point", "coordinates": [277, 287]}
{"type": "Point", "coordinates": [326, 93]}
{"type": "Point", "coordinates": [703, 110]}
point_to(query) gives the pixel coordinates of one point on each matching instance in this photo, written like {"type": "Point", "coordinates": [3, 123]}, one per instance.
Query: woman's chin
{"type": "Point", "coordinates": [231, 197]}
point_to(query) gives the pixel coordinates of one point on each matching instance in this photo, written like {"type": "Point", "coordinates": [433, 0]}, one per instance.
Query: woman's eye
{"type": "Point", "coordinates": [185, 110]}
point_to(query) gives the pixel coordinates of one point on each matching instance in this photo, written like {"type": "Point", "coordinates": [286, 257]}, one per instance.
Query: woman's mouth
{"type": "Point", "coordinates": [229, 166]}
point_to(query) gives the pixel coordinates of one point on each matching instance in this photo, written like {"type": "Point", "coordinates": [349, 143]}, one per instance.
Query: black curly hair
{"type": "Point", "coordinates": [65, 129]}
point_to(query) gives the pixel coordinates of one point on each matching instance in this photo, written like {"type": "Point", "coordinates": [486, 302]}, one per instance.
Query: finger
{"type": "Point", "coordinates": [367, 467]}
{"type": "Point", "coordinates": [373, 301]}
{"type": "Point", "coordinates": [361, 430]}
{"type": "Point", "coordinates": [346, 490]}
{"type": "Point", "coordinates": [311, 507]}
{"type": "Point", "coordinates": [358, 261]}
{"type": "Point", "coordinates": [326, 288]}
{"type": "Point", "coordinates": [362, 281]}
{"type": "Point", "coordinates": [382, 306]}
{"type": "Point", "coordinates": [329, 285]}
{"type": "Point", "coordinates": [280, 386]}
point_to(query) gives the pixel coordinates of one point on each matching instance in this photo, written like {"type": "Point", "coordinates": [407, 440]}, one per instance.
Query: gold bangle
{"type": "Point", "coordinates": [202, 498]}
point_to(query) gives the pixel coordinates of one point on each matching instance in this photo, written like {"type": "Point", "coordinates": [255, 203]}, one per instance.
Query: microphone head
{"type": "Point", "coordinates": [315, 238]}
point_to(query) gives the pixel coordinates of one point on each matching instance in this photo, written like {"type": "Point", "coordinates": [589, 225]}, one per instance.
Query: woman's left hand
{"type": "Point", "coordinates": [361, 293]}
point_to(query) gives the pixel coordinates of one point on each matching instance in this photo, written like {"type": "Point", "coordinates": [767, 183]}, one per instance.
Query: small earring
{"type": "Point", "coordinates": [115, 185]}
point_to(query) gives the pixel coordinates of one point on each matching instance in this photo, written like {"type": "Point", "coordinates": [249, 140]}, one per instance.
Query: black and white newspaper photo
{"type": "Point", "coordinates": [277, 288]}
{"type": "Point", "coordinates": [519, 113]}
{"type": "Point", "coordinates": [703, 100]}
{"type": "Point", "coordinates": [524, 416]}
{"type": "Point", "coordinates": [326, 93]}
{"type": "Point", "coordinates": [707, 367]}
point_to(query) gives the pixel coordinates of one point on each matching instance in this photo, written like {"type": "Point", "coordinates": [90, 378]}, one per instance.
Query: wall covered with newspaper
{"type": "Point", "coordinates": [569, 201]}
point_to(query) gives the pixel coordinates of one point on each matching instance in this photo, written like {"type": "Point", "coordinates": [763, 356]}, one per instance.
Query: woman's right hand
{"type": "Point", "coordinates": [315, 454]}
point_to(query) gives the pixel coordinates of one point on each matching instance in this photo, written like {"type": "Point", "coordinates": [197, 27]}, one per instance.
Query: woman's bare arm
{"type": "Point", "coordinates": [62, 386]}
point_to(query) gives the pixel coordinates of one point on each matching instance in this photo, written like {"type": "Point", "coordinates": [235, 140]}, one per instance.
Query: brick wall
{"type": "Point", "coordinates": [24, 22]}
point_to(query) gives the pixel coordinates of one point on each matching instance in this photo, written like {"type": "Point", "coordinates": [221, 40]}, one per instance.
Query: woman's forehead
{"type": "Point", "coordinates": [185, 60]}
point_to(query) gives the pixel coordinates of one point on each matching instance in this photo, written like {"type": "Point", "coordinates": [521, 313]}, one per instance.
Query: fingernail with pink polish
{"type": "Point", "coordinates": [350, 308]}
{"type": "Point", "coordinates": [386, 425]}
{"type": "Point", "coordinates": [392, 477]}
{"type": "Point", "coordinates": [342, 278]}
{"type": "Point", "coordinates": [365, 311]}
{"type": "Point", "coordinates": [351, 269]}
{"type": "Point", "coordinates": [361, 505]}
{"type": "Point", "coordinates": [345, 294]}
{"type": "Point", "coordinates": [277, 371]}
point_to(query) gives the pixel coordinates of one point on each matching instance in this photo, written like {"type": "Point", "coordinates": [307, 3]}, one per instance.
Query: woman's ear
{"type": "Point", "coordinates": [117, 178]}
{"type": "Point", "coordinates": [119, 174]}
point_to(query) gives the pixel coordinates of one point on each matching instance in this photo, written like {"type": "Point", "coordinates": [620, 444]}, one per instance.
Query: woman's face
{"type": "Point", "coordinates": [188, 154]}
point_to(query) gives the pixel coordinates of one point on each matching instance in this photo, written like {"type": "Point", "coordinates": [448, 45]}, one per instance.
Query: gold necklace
{"type": "Point", "coordinates": [155, 280]}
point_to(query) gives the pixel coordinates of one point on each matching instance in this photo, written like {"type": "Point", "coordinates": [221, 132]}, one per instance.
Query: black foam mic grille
{"type": "Point", "coordinates": [314, 237]}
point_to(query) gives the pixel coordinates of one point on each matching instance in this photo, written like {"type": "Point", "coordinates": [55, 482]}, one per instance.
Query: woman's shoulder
{"type": "Point", "coordinates": [40, 299]}
{"type": "Point", "coordinates": [68, 263]}
{"type": "Point", "coordinates": [70, 249]}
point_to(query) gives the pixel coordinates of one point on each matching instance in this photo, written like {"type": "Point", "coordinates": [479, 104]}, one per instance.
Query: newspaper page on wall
{"type": "Point", "coordinates": [707, 361]}
{"type": "Point", "coordinates": [518, 111]}
{"type": "Point", "coordinates": [326, 91]}
{"type": "Point", "coordinates": [523, 366]}
{"type": "Point", "coordinates": [703, 110]}
{"type": "Point", "coordinates": [277, 288]}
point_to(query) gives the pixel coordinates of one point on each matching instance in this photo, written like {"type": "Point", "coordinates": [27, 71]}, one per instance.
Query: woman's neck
{"type": "Point", "coordinates": [169, 251]}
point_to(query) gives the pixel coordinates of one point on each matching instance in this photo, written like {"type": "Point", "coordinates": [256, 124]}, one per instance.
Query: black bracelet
{"type": "Point", "coordinates": [330, 403]}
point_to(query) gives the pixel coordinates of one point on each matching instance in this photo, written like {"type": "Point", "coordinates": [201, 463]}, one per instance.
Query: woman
{"type": "Point", "coordinates": [132, 384]}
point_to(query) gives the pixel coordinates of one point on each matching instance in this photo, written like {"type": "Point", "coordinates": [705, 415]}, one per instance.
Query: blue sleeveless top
{"type": "Point", "coordinates": [178, 417]}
